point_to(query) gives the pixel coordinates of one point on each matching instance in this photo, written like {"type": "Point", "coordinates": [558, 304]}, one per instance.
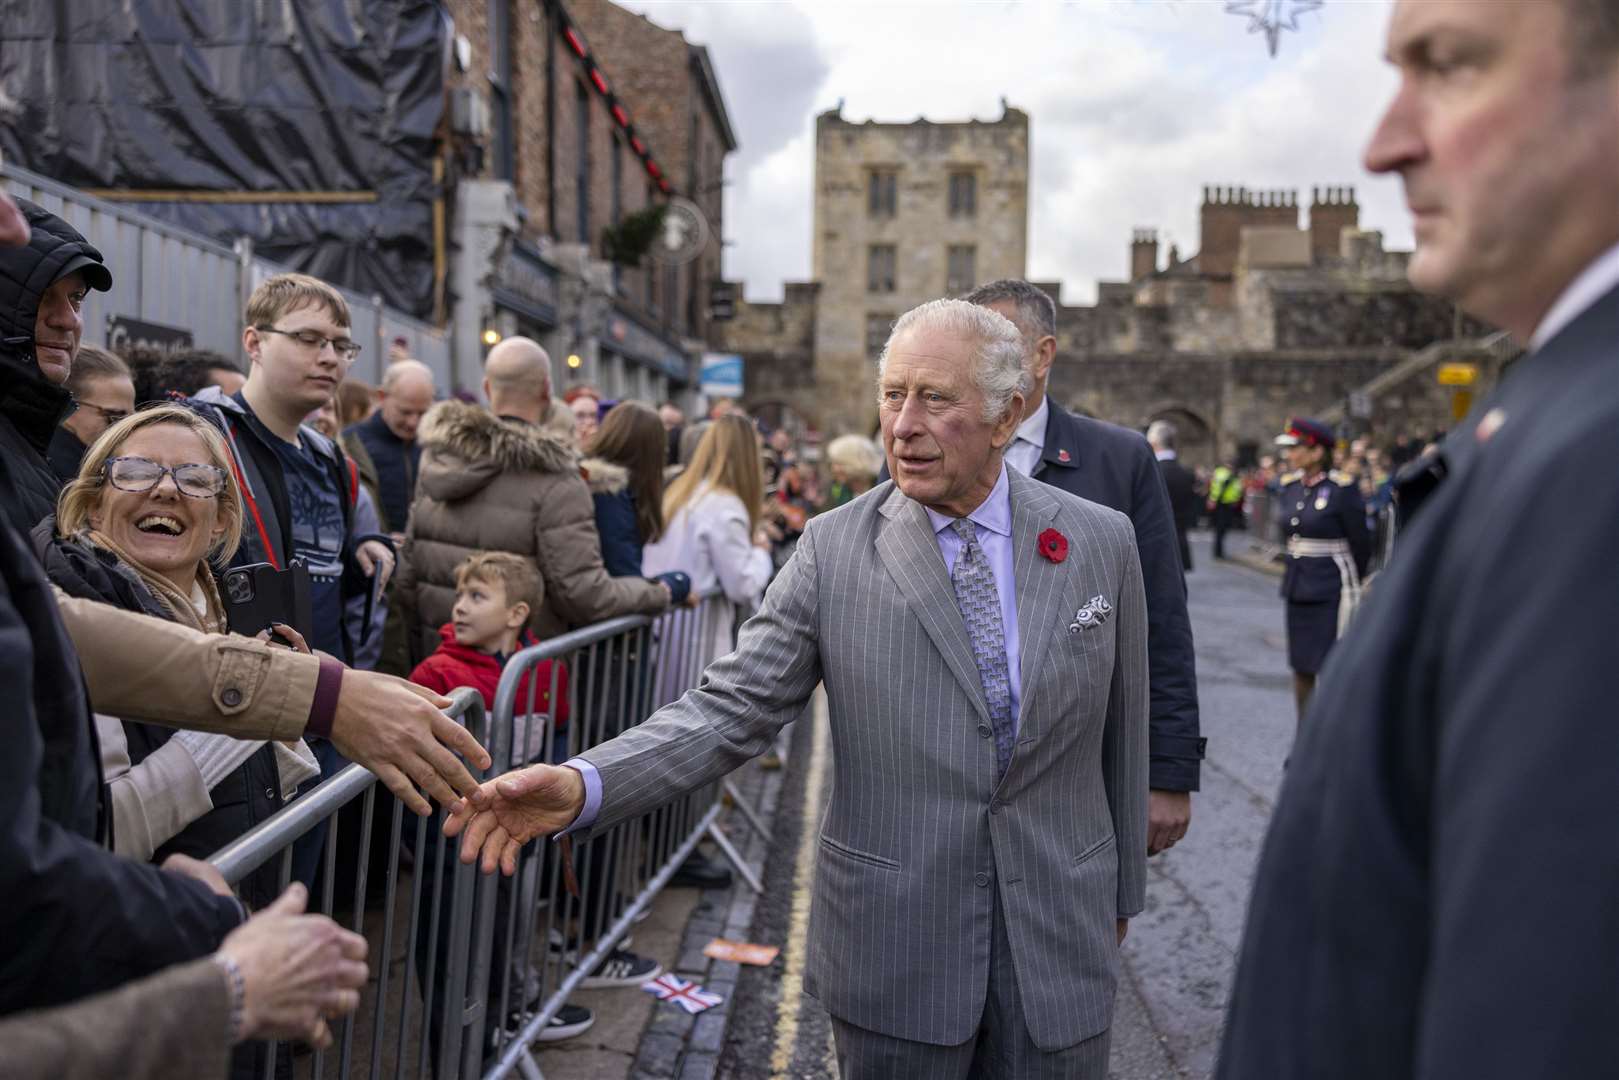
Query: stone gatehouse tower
{"type": "Point", "coordinates": [904, 213]}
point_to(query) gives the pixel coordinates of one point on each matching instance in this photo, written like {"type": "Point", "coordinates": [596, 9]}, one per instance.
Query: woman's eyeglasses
{"type": "Point", "coordinates": [138, 474]}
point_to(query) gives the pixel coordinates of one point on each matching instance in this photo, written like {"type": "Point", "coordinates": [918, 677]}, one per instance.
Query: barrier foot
{"type": "Point", "coordinates": [748, 812]}
{"type": "Point", "coordinates": [734, 857]}
{"type": "Point", "coordinates": [529, 1067]}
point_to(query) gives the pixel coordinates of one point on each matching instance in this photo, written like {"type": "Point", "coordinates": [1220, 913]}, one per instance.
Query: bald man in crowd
{"type": "Point", "coordinates": [502, 479]}
{"type": "Point", "coordinates": [388, 438]}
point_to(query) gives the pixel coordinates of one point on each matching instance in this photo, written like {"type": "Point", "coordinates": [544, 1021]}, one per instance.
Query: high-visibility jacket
{"type": "Point", "coordinates": [1225, 487]}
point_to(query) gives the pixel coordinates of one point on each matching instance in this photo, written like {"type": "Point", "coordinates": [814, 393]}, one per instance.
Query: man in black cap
{"type": "Point", "coordinates": [1328, 547]}
{"type": "Point", "coordinates": [43, 284]}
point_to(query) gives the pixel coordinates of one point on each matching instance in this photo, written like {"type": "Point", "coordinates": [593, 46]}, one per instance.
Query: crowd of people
{"type": "Point", "coordinates": [420, 536]}
{"type": "Point", "coordinates": [1448, 779]}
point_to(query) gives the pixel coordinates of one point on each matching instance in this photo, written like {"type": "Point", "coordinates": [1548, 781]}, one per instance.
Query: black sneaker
{"type": "Point", "coordinates": [569, 1021]}
{"type": "Point", "coordinates": [622, 968]}
{"type": "Point", "coordinates": [701, 872]}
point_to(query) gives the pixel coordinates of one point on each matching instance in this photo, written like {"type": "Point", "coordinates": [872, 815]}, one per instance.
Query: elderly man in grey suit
{"type": "Point", "coordinates": [982, 640]}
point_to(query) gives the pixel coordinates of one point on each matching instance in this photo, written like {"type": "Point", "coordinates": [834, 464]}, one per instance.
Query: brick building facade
{"type": "Point", "coordinates": [562, 124]}
{"type": "Point", "coordinates": [680, 109]}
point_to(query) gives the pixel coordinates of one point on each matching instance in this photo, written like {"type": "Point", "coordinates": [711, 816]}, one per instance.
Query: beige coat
{"type": "Point", "coordinates": [142, 668]}
{"type": "Point", "coordinates": [488, 484]}
{"type": "Point", "coordinates": [172, 1024]}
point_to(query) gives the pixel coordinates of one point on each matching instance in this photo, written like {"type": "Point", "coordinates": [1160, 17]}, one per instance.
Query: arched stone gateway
{"type": "Point", "coordinates": [1194, 436]}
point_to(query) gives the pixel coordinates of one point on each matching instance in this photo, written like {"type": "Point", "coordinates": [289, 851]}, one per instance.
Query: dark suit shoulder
{"type": "Point", "coordinates": [1089, 434]}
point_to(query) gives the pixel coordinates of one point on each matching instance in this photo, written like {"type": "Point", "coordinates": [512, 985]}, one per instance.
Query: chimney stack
{"type": "Point", "coordinates": [1143, 253]}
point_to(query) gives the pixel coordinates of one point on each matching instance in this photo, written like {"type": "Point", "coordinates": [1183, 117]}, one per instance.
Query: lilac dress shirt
{"type": "Point", "coordinates": [992, 522]}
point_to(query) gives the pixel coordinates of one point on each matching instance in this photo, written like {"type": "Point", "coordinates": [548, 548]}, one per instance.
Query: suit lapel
{"type": "Point", "coordinates": [909, 550]}
{"type": "Point", "coordinates": [1041, 584]}
{"type": "Point", "coordinates": [1061, 450]}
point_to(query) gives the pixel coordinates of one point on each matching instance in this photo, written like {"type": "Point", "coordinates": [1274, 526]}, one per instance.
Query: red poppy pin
{"type": "Point", "coordinates": [1062, 456]}
{"type": "Point", "coordinates": [1054, 545]}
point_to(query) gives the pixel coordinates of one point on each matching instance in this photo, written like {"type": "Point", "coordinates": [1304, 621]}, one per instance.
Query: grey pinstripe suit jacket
{"type": "Point", "coordinates": [918, 831]}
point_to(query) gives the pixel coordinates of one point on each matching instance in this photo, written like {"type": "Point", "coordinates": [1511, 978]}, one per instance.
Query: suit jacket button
{"type": "Point", "coordinates": [985, 730]}
{"type": "Point", "coordinates": [982, 880]}
{"type": "Point", "coordinates": [995, 807]}
{"type": "Point", "coordinates": [270, 793]}
{"type": "Point", "coordinates": [231, 697]}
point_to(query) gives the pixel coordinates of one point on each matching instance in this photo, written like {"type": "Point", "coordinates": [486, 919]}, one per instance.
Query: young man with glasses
{"type": "Point", "coordinates": [298, 487]}
{"type": "Point", "coordinates": [103, 393]}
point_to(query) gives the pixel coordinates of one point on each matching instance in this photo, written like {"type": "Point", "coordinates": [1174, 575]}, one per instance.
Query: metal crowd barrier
{"type": "Point", "coordinates": [488, 961]}
{"type": "Point", "coordinates": [1264, 525]}
{"type": "Point", "coordinates": [538, 943]}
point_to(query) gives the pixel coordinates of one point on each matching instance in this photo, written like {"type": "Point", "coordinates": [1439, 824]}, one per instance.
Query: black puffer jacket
{"type": "Point", "coordinates": [251, 793]}
{"type": "Point", "coordinates": [31, 407]}
{"type": "Point", "coordinates": [30, 410]}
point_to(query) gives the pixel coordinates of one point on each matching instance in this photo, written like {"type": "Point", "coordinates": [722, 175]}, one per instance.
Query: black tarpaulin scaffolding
{"type": "Point", "coordinates": [309, 123]}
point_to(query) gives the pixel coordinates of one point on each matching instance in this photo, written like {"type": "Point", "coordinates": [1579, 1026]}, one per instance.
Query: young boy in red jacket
{"type": "Point", "coordinates": [495, 593]}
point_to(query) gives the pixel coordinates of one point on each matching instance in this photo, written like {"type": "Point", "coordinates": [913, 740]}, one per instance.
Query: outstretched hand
{"type": "Point", "coordinates": [507, 812]}
{"type": "Point", "coordinates": [399, 731]}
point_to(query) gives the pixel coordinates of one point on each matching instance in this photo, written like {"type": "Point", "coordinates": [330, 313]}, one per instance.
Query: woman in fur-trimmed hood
{"type": "Point", "coordinates": [501, 483]}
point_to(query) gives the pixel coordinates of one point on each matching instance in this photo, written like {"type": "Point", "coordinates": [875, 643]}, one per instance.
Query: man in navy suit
{"type": "Point", "coordinates": [1116, 467]}
{"type": "Point", "coordinates": [1437, 896]}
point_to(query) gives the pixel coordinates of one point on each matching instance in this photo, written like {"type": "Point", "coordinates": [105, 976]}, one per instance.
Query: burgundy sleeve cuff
{"type": "Point", "coordinates": [323, 710]}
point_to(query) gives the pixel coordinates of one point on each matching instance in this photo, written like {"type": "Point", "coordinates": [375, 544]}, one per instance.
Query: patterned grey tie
{"type": "Point", "coordinates": [980, 608]}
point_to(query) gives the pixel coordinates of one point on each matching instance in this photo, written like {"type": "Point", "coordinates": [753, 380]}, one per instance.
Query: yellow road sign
{"type": "Point", "coordinates": [1458, 374]}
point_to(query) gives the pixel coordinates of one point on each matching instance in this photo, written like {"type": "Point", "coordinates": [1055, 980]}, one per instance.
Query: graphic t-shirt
{"type": "Point", "coordinates": [317, 538]}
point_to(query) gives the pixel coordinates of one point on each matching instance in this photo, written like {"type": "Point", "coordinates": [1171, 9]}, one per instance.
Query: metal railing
{"type": "Point", "coordinates": [489, 960]}
{"type": "Point", "coordinates": [316, 820]}
{"type": "Point", "coordinates": [619, 672]}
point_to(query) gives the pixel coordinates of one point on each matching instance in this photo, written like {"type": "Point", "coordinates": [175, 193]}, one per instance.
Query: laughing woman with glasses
{"type": "Point", "coordinates": [152, 504]}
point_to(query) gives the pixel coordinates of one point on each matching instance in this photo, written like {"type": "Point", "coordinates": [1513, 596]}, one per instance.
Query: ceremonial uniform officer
{"type": "Point", "coordinates": [1324, 521]}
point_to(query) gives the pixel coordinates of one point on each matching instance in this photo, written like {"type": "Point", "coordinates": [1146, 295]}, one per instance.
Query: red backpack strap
{"type": "Point", "coordinates": [354, 480]}
{"type": "Point", "coordinates": [252, 503]}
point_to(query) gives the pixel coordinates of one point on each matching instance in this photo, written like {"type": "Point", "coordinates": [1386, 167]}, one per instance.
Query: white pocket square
{"type": "Point", "coordinates": [1093, 613]}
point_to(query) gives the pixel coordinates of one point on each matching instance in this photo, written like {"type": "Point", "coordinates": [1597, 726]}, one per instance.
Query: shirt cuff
{"type": "Point", "coordinates": [323, 710]}
{"type": "Point", "coordinates": [593, 795]}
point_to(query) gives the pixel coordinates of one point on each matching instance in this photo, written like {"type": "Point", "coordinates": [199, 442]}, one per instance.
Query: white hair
{"type": "Point", "coordinates": [998, 364]}
{"type": "Point", "coordinates": [1161, 433]}
{"type": "Point", "coordinates": [856, 453]}
{"type": "Point", "coordinates": [407, 369]}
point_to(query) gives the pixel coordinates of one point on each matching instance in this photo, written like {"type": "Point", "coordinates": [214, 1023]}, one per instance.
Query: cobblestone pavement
{"type": "Point", "coordinates": [1180, 954]}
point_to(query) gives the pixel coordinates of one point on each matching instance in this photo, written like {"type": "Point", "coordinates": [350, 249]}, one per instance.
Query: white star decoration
{"type": "Point", "coordinates": [1272, 16]}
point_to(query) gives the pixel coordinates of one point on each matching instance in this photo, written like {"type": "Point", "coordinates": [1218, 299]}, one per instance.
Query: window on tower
{"type": "Point", "coordinates": [963, 195]}
{"type": "Point", "coordinates": [882, 193]}
{"type": "Point", "coordinates": [880, 261]}
{"type": "Point", "coordinates": [961, 271]}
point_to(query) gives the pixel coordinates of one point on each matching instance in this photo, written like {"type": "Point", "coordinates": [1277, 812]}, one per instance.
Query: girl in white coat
{"type": "Point", "coordinates": [713, 532]}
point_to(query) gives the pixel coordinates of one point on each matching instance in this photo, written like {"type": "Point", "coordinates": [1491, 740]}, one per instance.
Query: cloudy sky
{"type": "Point", "coordinates": [1134, 105]}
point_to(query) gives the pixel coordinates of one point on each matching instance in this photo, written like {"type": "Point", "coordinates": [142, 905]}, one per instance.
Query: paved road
{"type": "Point", "coordinates": [1181, 950]}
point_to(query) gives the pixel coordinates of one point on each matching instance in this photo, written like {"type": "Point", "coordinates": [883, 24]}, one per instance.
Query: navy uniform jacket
{"type": "Point", "coordinates": [1116, 467]}
{"type": "Point", "coordinates": [1439, 892]}
{"type": "Point", "coordinates": [1331, 509]}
